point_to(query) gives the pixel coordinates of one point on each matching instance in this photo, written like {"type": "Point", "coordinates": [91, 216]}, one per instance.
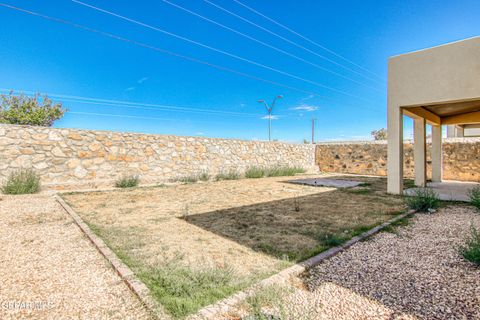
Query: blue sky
{"type": "Point", "coordinates": [149, 91]}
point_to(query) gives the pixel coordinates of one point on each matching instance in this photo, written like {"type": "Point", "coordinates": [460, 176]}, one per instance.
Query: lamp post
{"type": "Point", "coordinates": [269, 111]}
{"type": "Point", "coordinates": [313, 129]}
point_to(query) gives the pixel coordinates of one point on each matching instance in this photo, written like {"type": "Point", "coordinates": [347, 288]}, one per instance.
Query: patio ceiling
{"type": "Point", "coordinates": [464, 112]}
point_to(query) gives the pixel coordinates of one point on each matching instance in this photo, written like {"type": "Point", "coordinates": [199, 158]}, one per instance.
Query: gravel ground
{"type": "Point", "coordinates": [49, 270]}
{"type": "Point", "coordinates": [413, 273]}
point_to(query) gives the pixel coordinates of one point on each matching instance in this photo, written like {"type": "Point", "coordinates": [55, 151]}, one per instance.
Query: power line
{"type": "Point", "coordinates": [146, 106]}
{"type": "Point", "coordinates": [127, 104]}
{"type": "Point", "coordinates": [266, 44]}
{"type": "Point", "coordinates": [258, 64]}
{"type": "Point", "coordinates": [292, 42]}
{"type": "Point", "coordinates": [140, 105]}
{"type": "Point", "coordinates": [136, 105]}
{"type": "Point", "coordinates": [147, 46]}
{"type": "Point", "coordinates": [131, 116]}
{"type": "Point", "coordinates": [307, 39]}
{"type": "Point", "coordinates": [139, 117]}
{"type": "Point", "coordinates": [162, 109]}
{"type": "Point", "coordinates": [119, 116]}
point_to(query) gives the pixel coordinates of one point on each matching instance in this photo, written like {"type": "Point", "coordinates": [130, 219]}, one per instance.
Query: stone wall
{"type": "Point", "coordinates": [86, 158]}
{"type": "Point", "coordinates": [461, 158]}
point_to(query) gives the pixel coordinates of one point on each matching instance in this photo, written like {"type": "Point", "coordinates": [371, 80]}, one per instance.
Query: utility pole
{"type": "Point", "coordinates": [313, 129]}
{"type": "Point", "coordinates": [269, 111]}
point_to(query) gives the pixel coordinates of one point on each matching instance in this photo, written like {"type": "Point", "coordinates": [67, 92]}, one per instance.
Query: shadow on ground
{"type": "Point", "coordinates": [302, 226]}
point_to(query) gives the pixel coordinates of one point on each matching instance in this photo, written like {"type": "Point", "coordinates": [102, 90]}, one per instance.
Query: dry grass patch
{"type": "Point", "coordinates": [227, 233]}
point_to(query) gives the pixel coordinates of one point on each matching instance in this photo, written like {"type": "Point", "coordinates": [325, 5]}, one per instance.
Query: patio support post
{"type": "Point", "coordinates": [437, 153]}
{"type": "Point", "coordinates": [419, 151]}
{"type": "Point", "coordinates": [395, 150]}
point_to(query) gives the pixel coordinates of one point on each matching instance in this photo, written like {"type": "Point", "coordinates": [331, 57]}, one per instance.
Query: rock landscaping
{"type": "Point", "coordinates": [49, 270]}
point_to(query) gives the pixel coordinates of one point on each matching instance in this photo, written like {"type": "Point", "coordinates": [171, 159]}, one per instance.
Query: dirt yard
{"type": "Point", "coordinates": [252, 227]}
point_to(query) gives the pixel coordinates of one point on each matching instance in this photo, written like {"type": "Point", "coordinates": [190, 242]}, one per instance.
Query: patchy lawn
{"type": "Point", "coordinates": [193, 244]}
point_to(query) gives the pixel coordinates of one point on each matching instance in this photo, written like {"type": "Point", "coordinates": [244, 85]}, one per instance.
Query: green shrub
{"type": "Point", "coordinates": [283, 171]}
{"type": "Point", "coordinates": [22, 182]}
{"type": "Point", "coordinates": [331, 240]}
{"type": "Point", "coordinates": [204, 176]}
{"type": "Point", "coordinates": [254, 172]}
{"type": "Point", "coordinates": [127, 182]}
{"type": "Point", "coordinates": [409, 183]}
{"type": "Point", "coordinates": [471, 249]}
{"type": "Point", "coordinates": [24, 110]}
{"type": "Point", "coordinates": [474, 195]}
{"type": "Point", "coordinates": [423, 200]}
{"type": "Point", "coordinates": [231, 175]}
{"type": "Point", "coordinates": [188, 179]}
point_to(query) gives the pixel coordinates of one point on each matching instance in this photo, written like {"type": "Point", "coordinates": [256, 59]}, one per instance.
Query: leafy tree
{"type": "Point", "coordinates": [379, 134]}
{"type": "Point", "coordinates": [24, 110]}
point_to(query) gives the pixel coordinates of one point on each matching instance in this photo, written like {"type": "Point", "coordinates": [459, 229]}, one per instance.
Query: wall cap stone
{"type": "Point", "coordinates": [144, 134]}
{"type": "Point", "coordinates": [407, 141]}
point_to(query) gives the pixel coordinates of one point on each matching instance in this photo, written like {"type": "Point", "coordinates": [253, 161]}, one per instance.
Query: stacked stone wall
{"type": "Point", "coordinates": [461, 158]}
{"type": "Point", "coordinates": [65, 157]}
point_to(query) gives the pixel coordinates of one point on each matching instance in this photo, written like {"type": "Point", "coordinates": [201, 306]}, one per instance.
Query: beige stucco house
{"type": "Point", "coordinates": [438, 86]}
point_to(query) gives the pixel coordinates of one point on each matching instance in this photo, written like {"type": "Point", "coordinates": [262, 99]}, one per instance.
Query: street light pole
{"type": "Point", "coordinates": [270, 125]}
{"type": "Point", "coordinates": [269, 111]}
{"type": "Point", "coordinates": [313, 129]}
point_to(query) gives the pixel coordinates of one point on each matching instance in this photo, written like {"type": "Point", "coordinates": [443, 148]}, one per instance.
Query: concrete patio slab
{"type": "Point", "coordinates": [449, 190]}
{"type": "Point", "coordinates": [323, 182]}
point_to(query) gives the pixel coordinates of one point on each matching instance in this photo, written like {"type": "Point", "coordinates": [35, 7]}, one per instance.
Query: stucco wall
{"type": "Point", "coordinates": [88, 158]}
{"type": "Point", "coordinates": [439, 75]}
{"type": "Point", "coordinates": [446, 73]}
{"type": "Point", "coordinates": [461, 158]}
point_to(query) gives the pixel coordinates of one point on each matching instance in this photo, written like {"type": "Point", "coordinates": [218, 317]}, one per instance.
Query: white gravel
{"type": "Point", "coordinates": [415, 273]}
{"type": "Point", "coordinates": [49, 270]}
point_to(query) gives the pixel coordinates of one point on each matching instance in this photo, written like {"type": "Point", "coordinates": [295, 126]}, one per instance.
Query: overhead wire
{"type": "Point", "coordinates": [308, 39]}
{"type": "Point", "coordinates": [134, 105]}
{"type": "Point", "coordinates": [171, 53]}
{"type": "Point", "coordinates": [147, 46]}
{"type": "Point", "coordinates": [267, 44]}
{"type": "Point", "coordinates": [232, 55]}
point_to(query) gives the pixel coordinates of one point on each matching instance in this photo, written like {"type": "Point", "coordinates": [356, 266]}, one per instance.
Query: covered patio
{"type": "Point", "coordinates": [436, 86]}
{"type": "Point", "coordinates": [449, 190]}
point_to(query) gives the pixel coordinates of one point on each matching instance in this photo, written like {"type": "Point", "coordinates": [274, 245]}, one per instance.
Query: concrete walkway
{"type": "Point", "coordinates": [49, 270]}
{"type": "Point", "coordinates": [449, 190]}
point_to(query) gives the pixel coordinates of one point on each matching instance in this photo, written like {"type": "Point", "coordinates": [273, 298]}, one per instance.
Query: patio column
{"type": "Point", "coordinates": [395, 150]}
{"type": "Point", "coordinates": [437, 153]}
{"type": "Point", "coordinates": [419, 151]}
